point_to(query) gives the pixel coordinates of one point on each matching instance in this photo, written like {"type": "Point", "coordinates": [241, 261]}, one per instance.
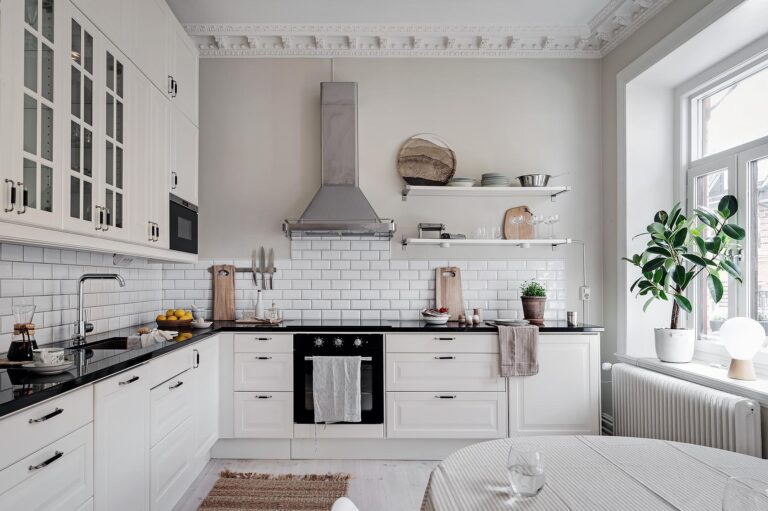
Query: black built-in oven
{"type": "Point", "coordinates": [182, 225]}
{"type": "Point", "coordinates": [370, 347]}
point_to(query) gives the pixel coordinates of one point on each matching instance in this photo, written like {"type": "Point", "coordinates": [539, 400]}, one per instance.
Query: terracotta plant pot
{"type": "Point", "coordinates": [533, 308]}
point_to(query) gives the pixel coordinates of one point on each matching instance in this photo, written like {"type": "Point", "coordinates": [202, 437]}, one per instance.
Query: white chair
{"type": "Point", "coordinates": [344, 504]}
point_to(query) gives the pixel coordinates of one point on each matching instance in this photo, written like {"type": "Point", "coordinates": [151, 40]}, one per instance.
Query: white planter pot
{"type": "Point", "coordinates": [675, 345]}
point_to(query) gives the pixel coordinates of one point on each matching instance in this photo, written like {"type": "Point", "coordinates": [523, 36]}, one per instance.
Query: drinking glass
{"type": "Point", "coordinates": [482, 233]}
{"type": "Point", "coordinates": [551, 221]}
{"type": "Point", "coordinates": [525, 471]}
{"type": "Point", "coordinates": [743, 494]}
{"type": "Point", "coordinates": [495, 232]}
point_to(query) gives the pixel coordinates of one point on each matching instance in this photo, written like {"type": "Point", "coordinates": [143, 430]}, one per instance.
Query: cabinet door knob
{"type": "Point", "coordinates": [24, 198]}
{"type": "Point", "coordinates": [47, 462]}
{"type": "Point", "coordinates": [263, 338]}
{"type": "Point", "coordinates": [445, 396]}
{"type": "Point", "coordinates": [129, 381]}
{"type": "Point", "coordinates": [57, 411]}
{"type": "Point", "coordinates": [445, 339]}
{"type": "Point", "coordinates": [176, 385]}
{"type": "Point", "coordinates": [263, 358]}
{"type": "Point", "coordinates": [445, 357]}
{"type": "Point", "coordinates": [263, 397]}
{"type": "Point", "coordinates": [108, 218]}
{"type": "Point", "coordinates": [11, 195]}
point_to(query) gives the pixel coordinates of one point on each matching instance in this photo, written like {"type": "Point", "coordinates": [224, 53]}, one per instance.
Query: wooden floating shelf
{"type": "Point", "coordinates": [488, 243]}
{"type": "Point", "coordinates": [484, 191]}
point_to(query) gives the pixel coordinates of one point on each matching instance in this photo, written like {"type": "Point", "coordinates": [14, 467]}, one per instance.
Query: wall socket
{"type": "Point", "coordinates": [585, 292]}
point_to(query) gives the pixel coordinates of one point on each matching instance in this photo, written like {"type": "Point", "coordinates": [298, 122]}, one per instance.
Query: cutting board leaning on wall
{"type": "Point", "coordinates": [223, 292]}
{"type": "Point", "coordinates": [448, 291]}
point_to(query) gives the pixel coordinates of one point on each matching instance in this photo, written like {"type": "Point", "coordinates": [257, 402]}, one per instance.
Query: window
{"type": "Point", "coordinates": [729, 141]}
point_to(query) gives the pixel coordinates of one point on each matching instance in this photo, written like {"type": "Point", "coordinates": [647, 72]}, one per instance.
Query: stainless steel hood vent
{"type": "Point", "coordinates": [339, 208]}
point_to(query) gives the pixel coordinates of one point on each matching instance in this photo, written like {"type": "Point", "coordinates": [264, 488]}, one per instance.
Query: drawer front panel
{"type": "Point", "coordinates": [39, 425]}
{"type": "Point", "coordinates": [263, 372]}
{"type": "Point", "coordinates": [446, 415]}
{"type": "Point", "coordinates": [170, 473]}
{"type": "Point", "coordinates": [171, 405]}
{"type": "Point", "coordinates": [58, 477]}
{"type": "Point", "coordinates": [263, 414]}
{"type": "Point", "coordinates": [442, 342]}
{"type": "Point", "coordinates": [263, 343]}
{"type": "Point", "coordinates": [170, 365]}
{"type": "Point", "coordinates": [444, 372]}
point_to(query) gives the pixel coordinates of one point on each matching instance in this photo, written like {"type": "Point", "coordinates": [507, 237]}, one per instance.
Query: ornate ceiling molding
{"type": "Point", "coordinates": [606, 30]}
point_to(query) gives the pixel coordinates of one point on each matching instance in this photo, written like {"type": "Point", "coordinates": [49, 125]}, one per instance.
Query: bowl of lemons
{"type": "Point", "coordinates": [174, 318]}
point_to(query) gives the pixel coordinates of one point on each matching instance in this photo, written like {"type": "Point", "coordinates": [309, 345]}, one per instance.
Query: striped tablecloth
{"type": "Point", "coordinates": [591, 473]}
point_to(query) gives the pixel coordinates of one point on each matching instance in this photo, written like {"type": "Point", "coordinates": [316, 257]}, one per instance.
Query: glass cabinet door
{"type": "Point", "coordinates": [81, 183]}
{"type": "Point", "coordinates": [114, 143]}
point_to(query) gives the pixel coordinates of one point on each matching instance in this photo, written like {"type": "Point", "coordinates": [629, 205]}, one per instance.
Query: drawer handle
{"type": "Point", "coordinates": [44, 418]}
{"type": "Point", "coordinates": [176, 385]}
{"type": "Point", "coordinates": [263, 358]}
{"type": "Point", "coordinates": [445, 357]}
{"type": "Point", "coordinates": [263, 338]}
{"type": "Point", "coordinates": [129, 381]}
{"type": "Point", "coordinates": [47, 462]}
{"type": "Point", "coordinates": [445, 338]}
{"type": "Point", "coordinates": [263, 397]}
{"type": "Point", "coordinates": [445, 396]}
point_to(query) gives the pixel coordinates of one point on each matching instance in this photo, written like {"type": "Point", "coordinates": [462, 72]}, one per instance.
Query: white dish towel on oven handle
{"type": "Point", "coordinates": [336, 389]}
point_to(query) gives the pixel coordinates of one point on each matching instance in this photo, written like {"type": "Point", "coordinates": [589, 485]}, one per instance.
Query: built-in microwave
{"type": "Point", "coordinates": [182, 227]}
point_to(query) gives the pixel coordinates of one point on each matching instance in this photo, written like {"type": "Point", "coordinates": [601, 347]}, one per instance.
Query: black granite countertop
{"type": "Point", "coordinates": [19, 388]}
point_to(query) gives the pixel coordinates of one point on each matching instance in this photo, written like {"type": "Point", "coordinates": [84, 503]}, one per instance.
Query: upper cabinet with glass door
{"type": "Point", "coordinates": [31, 35]}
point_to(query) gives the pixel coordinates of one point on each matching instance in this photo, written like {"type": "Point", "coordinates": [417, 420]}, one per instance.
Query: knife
{"type": "Point", "coordinates": [271, 266]}
{"type": "Point", "coordinates": [262, 267]}
{"type": "Point", "coordinates": [254, 268]}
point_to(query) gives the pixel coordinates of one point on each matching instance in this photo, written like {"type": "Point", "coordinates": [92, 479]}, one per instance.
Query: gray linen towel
{"type": "Point", "coordinates": [518, 346]}
{"type": "Point", "coordinates": [336, 389]}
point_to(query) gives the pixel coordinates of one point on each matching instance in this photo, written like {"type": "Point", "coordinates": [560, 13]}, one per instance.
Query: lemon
{"type": "Point", "coordinates": [160, 317]}
{"type": "Point", "coordinates": [172, 318]}
{"type": "Point", "coordinates": [169, 312]}
{"type": "Point", "coordinates": [186, 317]}
{"type": "Point", "coordinates": [179, 313]}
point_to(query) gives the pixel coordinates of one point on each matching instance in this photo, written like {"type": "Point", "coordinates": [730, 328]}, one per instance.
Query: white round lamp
{"type": "Point", "coordinates": [742, 337]}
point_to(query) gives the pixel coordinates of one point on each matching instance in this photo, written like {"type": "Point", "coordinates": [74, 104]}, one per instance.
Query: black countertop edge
{"type": "Point", "coordinates": [8, 406]}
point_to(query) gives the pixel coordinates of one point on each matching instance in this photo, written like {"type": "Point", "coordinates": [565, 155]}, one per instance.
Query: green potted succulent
{"type": "Point", "coordinates": [534, 298]}
{"type": "Point", "coordinates": [679, 250]}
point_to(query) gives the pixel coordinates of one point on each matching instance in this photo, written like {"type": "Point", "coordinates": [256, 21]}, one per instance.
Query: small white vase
{"type": "Point", "coordinates": [675, 345]}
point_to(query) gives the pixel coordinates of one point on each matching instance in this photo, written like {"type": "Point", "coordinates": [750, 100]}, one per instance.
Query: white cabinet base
{"type": "Point", "coordinates": [263, 414]}
{"type": "Point", "coordinates": [170, 463]}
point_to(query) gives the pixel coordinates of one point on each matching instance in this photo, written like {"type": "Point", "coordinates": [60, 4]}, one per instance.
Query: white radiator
{"type": "Point", "coordinates": [647, 404]}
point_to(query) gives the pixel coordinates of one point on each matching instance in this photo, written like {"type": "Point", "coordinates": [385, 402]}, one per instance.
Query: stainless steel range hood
{"type": "Point", "coordinates": [339, 208]}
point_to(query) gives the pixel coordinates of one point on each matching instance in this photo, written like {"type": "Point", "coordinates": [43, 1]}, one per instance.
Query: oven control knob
{"type": "Point", "coordinates": [338, 342]}
{"type": "Point", "coordinates": [357, 342]}
{"type": "Point", "coordinates": [319, 341]}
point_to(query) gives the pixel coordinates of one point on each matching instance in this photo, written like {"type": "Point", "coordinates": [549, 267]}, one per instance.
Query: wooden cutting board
{"type": "Point", "coordinates": [448, 291]}
{"type": "Point", "coordinates": [223, 292]}
{"type": "Point", "coordinates": [523, 231]}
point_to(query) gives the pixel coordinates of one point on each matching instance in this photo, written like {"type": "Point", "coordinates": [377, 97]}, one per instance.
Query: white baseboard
{"type": "Point", "coordinates": [252, 449]}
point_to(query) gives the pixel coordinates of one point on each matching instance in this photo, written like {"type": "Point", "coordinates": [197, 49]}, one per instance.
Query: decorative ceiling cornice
{"type": "Point", "coordinates": [607, 29]}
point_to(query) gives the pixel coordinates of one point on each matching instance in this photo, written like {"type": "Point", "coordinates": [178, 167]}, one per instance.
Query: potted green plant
{"type": "Point", "coordinates": [680, 249]}
{"type": "Point", "coordinates": [534, 298]}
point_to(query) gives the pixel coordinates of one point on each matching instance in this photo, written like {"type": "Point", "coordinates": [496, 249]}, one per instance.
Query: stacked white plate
{"type": "Point", "coordinates": [462, 181]}
{"type": "Point", "coordinates": [495, 179]}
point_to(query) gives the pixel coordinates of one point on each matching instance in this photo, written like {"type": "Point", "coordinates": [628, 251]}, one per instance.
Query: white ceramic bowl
{"type": "Point", "coordinates": [201, 324]}
{"type": "Point", "coordinates": [436, 320]}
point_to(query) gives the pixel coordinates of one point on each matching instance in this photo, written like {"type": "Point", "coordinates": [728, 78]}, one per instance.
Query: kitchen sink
{"type": "Point", "coordinates": [113, 343]}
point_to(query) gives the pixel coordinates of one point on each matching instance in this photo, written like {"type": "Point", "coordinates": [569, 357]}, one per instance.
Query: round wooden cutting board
{"type": "Point", "coordinates": [426, 159]}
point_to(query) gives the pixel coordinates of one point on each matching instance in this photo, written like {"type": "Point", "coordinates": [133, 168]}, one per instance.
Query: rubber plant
{"type": "Point", "coordinates": [681, 248]}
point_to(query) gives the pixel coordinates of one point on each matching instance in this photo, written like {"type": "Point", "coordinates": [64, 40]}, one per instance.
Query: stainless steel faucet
{"type": "Point", "coordinates": [81, 326]}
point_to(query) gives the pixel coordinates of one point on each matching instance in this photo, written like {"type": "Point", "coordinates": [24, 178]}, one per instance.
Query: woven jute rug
{"type": "Point", "coordinates": [241, 491]}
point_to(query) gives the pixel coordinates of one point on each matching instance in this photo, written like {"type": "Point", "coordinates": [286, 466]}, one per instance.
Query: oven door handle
{"type": "Point", "coordinates": [364, 359]}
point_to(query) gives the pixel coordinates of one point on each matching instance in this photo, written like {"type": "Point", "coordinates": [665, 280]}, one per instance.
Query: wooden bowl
{"type": "Point", "coordinates": [174, 324]}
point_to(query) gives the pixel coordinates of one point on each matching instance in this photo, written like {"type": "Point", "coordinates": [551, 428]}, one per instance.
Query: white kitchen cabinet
{"type": "Point", "coordinates": [58, 477]}
{"type": "Point", "coordinates": [183, 72]}
{"type": "Point", "coordinates": [184, 157]}
{"type": "Point", "coordinates": [444, 372]}
{"type": "Point", "coordinates": [443, 342]}
{"type": "Point", "coordinates": [263, 342]}
{"type": "Point", "coordinates": [446, 415]}
{"type": "Point", "coordinates": [33, 105]}
{"type": "Point", "coordinates": [121, 441]}
{"type": "Point", "coordinates": [171, 462]}
{"type": "Point", "coordinates": [205, 390]}
{"type": "Point", "coordinates": [263, 372]}
{"type": "Point", "coordinates": [114, 18]}
{"type": "Point", "coordinates": [171, 405]}
{"type": "Point", "coordinates": [150, 41]}
{"type": "Point", "coordinates": [263, 415]}
{"type": "Point", "coordinates": [564, 397]}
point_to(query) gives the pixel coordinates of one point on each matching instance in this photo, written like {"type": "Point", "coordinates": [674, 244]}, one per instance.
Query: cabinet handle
{"type": "Point", "coordinates": [263, 358]}
{"type": "Point", "coordinates": [57, 411]}
{"type": "Point", "coordinates": [175, 88]}
{"type": "Point", "coordinates": [99, 218]}
{"type": "Point", "coordinates": [11, 196]}
{"type": "Point", "coordinates": [176, 385]}
{"type": "Point", "coordinates": [129, 381]}
{"type": "Point", "coordinates": [24, 198]}
{"type": "Point", "coordinates": [151, 231]}
{"type": "Point", "coordinates": [157, 232]}
{"type": "Point", "coordinates": [108, 217]}
{"type": "Point", "coordinates": [47, 462]}
{"type": "Point", "coordinates": [174, 180]}
{"type": "Point", "coordinates": [444, 338]}
{"type": "Point", "coordinates": [263, 397]}
{"type": "Point", "coordinates": [170, 84]}
{"type": "Point", "coordinates": [197, 358]}
{"type": "Point", "coordinates": [445, 396]}
{"type": "Point", "coordinates": [445, 357]}
{"type": "Point", "coordinates": [263, 338]}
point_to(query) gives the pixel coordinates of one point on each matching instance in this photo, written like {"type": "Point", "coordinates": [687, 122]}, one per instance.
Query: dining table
{"type": "Point", "coordinates": [591, 473]}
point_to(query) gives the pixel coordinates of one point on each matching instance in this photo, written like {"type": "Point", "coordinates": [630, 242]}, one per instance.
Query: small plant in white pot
{"type": "Point", "coordinates": [678, 251]}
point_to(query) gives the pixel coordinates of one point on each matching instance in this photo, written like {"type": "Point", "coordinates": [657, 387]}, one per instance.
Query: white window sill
{"type": "Point", "coordinates": [707, 373]}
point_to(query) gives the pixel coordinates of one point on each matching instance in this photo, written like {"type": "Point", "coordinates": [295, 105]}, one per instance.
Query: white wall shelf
{"type": "Point", "coordinates": [483, 191]}
{"type": "Point", "coordinates": [444, 243]}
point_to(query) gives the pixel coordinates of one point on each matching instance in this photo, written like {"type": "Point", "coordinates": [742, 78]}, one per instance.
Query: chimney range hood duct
{"type": "Point", "coordinates": [339, 208]}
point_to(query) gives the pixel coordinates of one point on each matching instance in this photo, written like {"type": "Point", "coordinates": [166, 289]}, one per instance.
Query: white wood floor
{"type": "Point", "coordinates": [375, 485]}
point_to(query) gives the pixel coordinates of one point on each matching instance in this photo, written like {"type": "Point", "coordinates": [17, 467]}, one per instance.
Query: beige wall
{"type": "Point", "coordinates": [260, 147]}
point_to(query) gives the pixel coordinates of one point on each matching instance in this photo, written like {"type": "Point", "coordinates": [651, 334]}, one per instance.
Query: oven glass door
{"type": "Point", "coordinates": [183, 228]}
{"type": "Point", "coordinates": [366, 388]}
